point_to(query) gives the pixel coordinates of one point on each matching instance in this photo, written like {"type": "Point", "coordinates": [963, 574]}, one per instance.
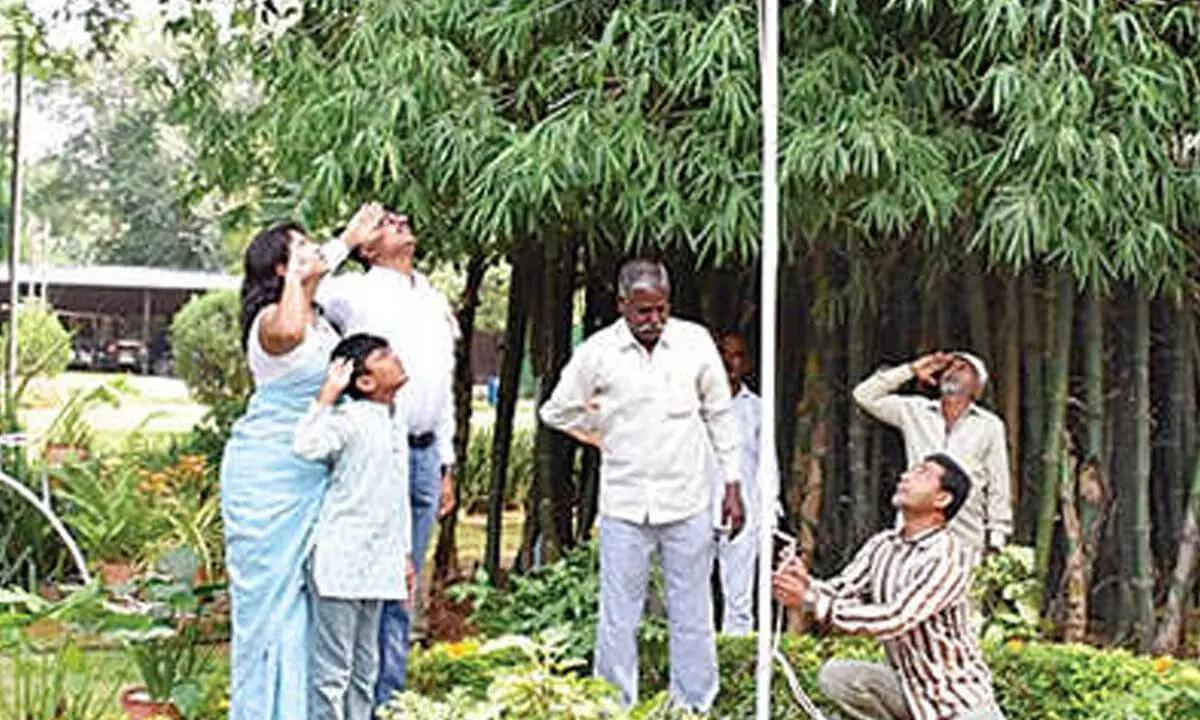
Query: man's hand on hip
{"type": "Point", "coordinates": [447, 501]}
{"type": "Point", "coordinates": [733, 515]}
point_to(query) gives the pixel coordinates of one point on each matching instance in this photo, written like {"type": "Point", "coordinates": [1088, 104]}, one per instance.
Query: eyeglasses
{"type": "Point", "coordinates": [400, 222]}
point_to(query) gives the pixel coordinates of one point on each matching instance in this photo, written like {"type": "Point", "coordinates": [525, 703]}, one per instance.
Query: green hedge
{"type": "Point", "coordinates": [1033, 681]}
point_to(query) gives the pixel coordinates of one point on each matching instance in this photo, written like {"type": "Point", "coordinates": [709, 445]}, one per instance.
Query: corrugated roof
{"type": "Point", "coordinates": [124, 276]}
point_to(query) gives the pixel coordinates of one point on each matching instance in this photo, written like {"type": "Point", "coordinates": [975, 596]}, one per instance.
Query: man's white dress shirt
{"type": "Point", "coordinates": [651, 412]}
{"type": "Point", "coordinates": [418, 323]}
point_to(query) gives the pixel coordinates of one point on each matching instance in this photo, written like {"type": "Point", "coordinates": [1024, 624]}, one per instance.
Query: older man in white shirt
{"type": "Point", "coordinates": [395, 301]}
{"type": "Point", "coordinates": [954, 424]}
{"type": "Point", "coordinates": [647, 390]}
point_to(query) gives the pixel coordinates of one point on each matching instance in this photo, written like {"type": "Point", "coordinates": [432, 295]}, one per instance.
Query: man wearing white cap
{"type": "Point", "coordinates": [956, 425]}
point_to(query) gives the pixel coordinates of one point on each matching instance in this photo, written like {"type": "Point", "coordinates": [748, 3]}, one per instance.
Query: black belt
{"type": "Point", "coordinates": [422, 441]}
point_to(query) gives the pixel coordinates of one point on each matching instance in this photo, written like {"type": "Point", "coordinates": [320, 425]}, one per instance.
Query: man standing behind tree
{"type": "Point", "coordinates": [736, 555]}
{"type": "Point", "coordinates": [955, 424]}
{"type": "Point", "coordinates": [396, 302]}
{"type": "Point", "coordinates": [647, 390]}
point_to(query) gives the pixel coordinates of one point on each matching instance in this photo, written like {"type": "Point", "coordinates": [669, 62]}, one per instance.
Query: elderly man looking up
{"type": "Point", "coordinates": [646, 390]}
{"type": "Point", "coordinates": [955, 424]}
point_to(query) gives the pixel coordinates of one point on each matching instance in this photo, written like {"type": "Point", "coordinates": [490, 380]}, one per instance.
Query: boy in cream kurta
{"type": "Point", "coordinates": [360, 555]}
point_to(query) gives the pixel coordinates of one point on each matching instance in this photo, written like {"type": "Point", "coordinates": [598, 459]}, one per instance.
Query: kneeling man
{"type": "Point", "coordinates": [909, 588]}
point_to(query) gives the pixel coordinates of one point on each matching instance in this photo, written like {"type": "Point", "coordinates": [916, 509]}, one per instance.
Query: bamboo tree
{"type": "Point", "coordinates": [446, 556]}
{"type": "Point", "coordinates": [1010, 383]}
{"type": "Point", "coordinates": [506, 405]}
{"type": "Point", "coordinates": [1141, 582]}
{"type": "Point", "coordinates": [1033, 410]}
{"type": "Point", "coordinates": [1060, 317]}
{"type": "Point", "coordinates": [1173, 626]}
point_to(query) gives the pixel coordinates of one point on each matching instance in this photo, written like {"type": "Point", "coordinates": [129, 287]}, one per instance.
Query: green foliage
{"type": "Point", "coordinates": [562, 595]}
{"type": "Point", "coordinates": [1033, 681]}
{"type": "Point", "coordinates": [209, 436]}
{"type": "Point", "coordinates": [69, 428]}
{"type": "Point", "coordinates": [43, 344]}
{"type": "Point", "coordinates": [1006, 590]}
{"type": "Point", "coordinates": [106, 509]}
{"type": "Point", "coordinates": [475, 478]}
{"type": "Point", "coordinates": [207, 349]}
{"type": "Point", "coordinates": [55, 685]}
{"type": "Point", "coordinates": [526, 680]}
{"type": "Point", "coordinates": [170, 660]}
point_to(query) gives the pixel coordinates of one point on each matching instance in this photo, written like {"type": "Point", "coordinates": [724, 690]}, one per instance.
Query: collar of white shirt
{"type": "Point", "coordinates": [936, 406]}
{"type": "Point", "coordinates": [415, 280]}
{"type": "Point", "coordinates": [627, 341]}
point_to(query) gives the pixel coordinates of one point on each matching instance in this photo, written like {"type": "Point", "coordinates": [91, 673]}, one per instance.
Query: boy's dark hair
{"type": "Point", "coordinates": [954, 481]}
{"type": "Point", "coordinates": [356, 348]}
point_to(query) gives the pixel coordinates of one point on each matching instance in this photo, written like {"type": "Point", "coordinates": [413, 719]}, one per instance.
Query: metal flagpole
{"type": "Point", "coordinates": [768, 48]}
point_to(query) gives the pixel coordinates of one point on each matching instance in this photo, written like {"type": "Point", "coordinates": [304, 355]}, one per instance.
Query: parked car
{"type": "Point", "coordinates": [126, 355]}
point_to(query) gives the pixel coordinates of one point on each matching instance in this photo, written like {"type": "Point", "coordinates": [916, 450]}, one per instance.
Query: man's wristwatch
{"type": "Point", "coordinates": [448, 468]}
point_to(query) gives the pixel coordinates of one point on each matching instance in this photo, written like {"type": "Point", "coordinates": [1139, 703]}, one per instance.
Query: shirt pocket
{"type": "Point", "coordinates": [682, 402]}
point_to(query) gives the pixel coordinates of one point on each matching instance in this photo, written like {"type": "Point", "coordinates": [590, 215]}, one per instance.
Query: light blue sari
{"type": "Point", "coordinates": [270, 499]}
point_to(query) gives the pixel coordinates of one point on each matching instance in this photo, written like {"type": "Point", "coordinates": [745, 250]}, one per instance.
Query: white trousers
{"type": "Point", "coordinates": [736, 560]}
{"type": "Point", "coordinates": [685, 549]}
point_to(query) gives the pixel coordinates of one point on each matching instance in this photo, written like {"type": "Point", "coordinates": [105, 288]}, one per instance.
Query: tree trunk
{"type": "Point", "coordinates": [1174, 621]}
{"type": "Point", "coordinates": [1171, 484]}
{"type": "Point", "coordinates": [445, 559]}
{"type": "Point", "coordinates": [1033, 410]}
{"type": "Point", "coordinates": [553, 452]}
{"type": "Point", "coordinates": [600, 303]}
{"type": "Point", "coordinates": [1085, 499]}
{"type": "Point", "coordinates": [1010, 382]}
{"type": "Point", "coordinates": [1059, 319]}
{"type": "Point", "coordinates": [978, 310]}
{"type": "Point", "coordinates": [506, 404]}
{"type": "Point", "coordinates": [1093, 378]}
{"type": "Point", "coordinates": [1142, 583]}
{"type": "Point", "coordinates": [862, 485]}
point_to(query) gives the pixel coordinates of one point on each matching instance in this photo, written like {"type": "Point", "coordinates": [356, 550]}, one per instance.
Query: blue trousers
{"type": "Point", "coordinates": [425, 489]}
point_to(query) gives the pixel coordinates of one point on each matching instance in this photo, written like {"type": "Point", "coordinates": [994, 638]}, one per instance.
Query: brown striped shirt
{"type": "Point", "coordinates": [913, 595]}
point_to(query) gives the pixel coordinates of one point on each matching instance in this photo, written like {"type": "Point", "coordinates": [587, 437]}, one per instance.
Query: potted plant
{"type": "Point", "coordinates": [109, 515]}
{"type": "Point", "coordinates": [69, 436]}
{"type": "Point", "coordinates": [167, 651]}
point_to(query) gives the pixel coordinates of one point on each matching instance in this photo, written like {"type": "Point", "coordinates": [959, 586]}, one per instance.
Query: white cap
{"type": "Point", "coordinates": [980, 368]}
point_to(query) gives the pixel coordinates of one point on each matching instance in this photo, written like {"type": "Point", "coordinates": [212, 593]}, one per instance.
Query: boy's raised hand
{"type": "Point", "coordinates": [337, 379]}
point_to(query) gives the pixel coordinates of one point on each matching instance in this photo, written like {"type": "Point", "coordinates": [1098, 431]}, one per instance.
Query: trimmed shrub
{"type": "Point", "coordinates": [43, 344]}
{"type": "Point", "coordinates": [206, 346]}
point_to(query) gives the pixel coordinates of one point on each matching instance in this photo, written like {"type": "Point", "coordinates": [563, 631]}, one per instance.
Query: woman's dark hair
{"type": "Point", "coordinates": [261, 285]}
{"type": "Point", "coordinates": [954, 481]}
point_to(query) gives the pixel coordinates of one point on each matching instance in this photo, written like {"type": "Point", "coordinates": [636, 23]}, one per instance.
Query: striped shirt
{"type": "Point", "coordinates": [913, 595]}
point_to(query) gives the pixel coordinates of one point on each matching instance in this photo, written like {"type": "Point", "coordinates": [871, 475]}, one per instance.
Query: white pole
{"type": "Point", "coordinates": [768, 36]}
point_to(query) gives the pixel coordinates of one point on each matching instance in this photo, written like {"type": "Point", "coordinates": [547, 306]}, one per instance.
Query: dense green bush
{"type": "Point", "coordinates": [475, 477]}
{"type": "Point", "coordinates": [561, 595]}
{"type": "Point", "coordinates": [1033, 681]}
{"type": "Point", "coordinates": [206, 346]}
{"type": "Point", "coordinates": [43, 344]}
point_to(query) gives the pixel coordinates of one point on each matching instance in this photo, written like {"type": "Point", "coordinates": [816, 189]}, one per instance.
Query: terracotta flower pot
{"type": "Point", "coordinates": [138, 706]}
{"type": "Point", "coordinates": [116, 572]}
